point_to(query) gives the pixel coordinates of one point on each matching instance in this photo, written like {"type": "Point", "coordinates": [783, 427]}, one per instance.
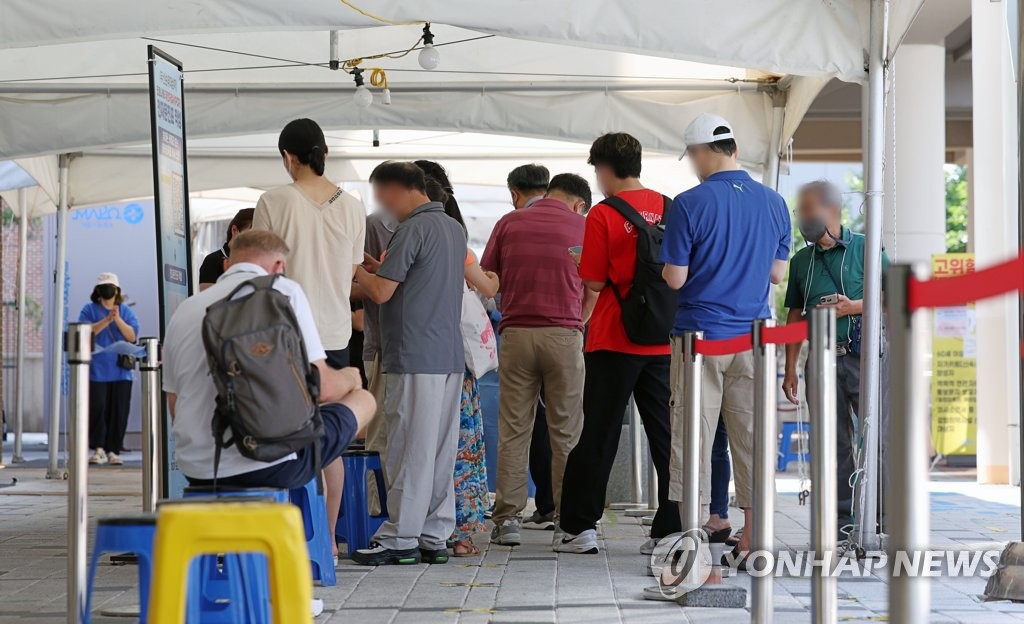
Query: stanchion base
{"type": "Point", "coordinates": [647, 520]}
{"type": "Point", "coordinates": [625, 506]}
{"type": "Point", "coordinates": [1007, 582]}
{"type": "Point", "coordinates": [715, 596]}
{"type": "Point", "coordinates": [636, 513]}
{"type": "Point", "coordinates": [131, 611]}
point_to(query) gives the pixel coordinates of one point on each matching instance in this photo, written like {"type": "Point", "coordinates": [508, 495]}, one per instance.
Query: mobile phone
{"type": "Point", "coordinates": [829, 300]}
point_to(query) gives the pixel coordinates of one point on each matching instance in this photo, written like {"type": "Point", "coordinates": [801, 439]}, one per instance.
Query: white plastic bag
{"type": "Point", "coordinates": [478, 339]}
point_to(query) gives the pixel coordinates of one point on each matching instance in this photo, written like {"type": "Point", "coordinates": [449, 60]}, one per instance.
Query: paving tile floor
{"type": "Point", "coordinates": [526, 585]}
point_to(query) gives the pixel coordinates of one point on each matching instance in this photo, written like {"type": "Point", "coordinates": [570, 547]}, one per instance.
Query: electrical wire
{"type": "Point", "coordinates": [380, 19]}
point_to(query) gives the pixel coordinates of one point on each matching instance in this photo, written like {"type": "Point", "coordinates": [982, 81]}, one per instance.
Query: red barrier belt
{"type": "Point", "coordinates": [794, 332]}
{"type": "Point", "coordinates": [726, 346]}
{"type": "Point", "coordinates": [785, 334]}
{"type": "Point", "coordinates": [964, 289]}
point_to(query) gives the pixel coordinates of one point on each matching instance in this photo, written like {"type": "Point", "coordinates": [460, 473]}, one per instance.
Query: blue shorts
{"type": "Point", "coordinates": [340, 428]}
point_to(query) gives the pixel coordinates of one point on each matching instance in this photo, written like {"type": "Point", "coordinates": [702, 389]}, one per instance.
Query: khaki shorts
{"type": "Point", "coordinates": [727, 391]}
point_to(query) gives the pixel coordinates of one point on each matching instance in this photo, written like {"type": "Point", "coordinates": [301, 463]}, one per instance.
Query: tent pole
{"type": "Point", "coordinates": [59, 312]}
{"type": "Point", "coordinates": [771, 167]}
{"type": "Point", "coordinates": [871, 343]}
{"type": "Point", "coordinates": [19, 367]}
{"type": "Point", "coordinates": [1020, 224]}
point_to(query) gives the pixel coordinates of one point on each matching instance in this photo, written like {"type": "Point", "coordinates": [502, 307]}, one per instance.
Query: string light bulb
{"type": "Point", "coordinates": [362, 97]}
{"type": "Point", "coordinates": [429, 57]}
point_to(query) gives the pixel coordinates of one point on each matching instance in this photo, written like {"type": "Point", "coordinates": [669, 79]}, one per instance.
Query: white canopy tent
{"type": "Point", "coordinates": [73, 80]}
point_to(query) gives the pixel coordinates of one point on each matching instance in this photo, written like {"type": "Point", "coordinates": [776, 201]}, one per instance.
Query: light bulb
{"type": "Point", "coordinates": [362, 98]}
{"type": "Point", "coordinates": [430, 58]}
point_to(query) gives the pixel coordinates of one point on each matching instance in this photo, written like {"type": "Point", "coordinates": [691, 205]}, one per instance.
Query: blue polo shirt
{"type": "Point", "coordinates": [728, 230]}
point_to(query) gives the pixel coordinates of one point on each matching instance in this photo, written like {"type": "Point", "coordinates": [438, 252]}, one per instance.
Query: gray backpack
{"type": "Point", "coordinates": [266, 388]}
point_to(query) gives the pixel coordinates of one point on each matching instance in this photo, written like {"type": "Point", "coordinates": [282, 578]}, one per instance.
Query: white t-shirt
{"type": "Point", "coordinates": [186, 374]}
{"type": "Point", "coordinates": [326, 240]}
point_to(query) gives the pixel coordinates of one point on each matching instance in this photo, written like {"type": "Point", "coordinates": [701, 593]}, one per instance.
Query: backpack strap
{"type": "Point", "coordinates": [627, 211]}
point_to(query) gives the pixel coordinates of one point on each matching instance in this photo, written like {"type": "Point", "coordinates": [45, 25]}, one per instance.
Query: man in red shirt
{"type": "Point", "coordinates": [542, 309]}
{"type": "Point", "coordinates": [616, 366]}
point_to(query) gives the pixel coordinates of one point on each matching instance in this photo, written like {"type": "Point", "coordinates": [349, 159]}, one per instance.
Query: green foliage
{"type": "Point", "coordinates": [956, 209]}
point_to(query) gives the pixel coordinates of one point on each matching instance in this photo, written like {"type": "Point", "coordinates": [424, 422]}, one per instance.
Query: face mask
{"type": "Point", "coordinates": [812, 228]}
{"type": "Point", "coordinates": [107, 291]}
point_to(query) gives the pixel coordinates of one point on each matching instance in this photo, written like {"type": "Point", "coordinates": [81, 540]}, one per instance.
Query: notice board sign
{"type": "Point", "coordinates": [170, 197]}
{"type": "Point", "coordinates": [954, 373]}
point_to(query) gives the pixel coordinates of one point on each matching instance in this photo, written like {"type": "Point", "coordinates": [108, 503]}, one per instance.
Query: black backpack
{"type": "Point", "coordinates": [649, 309]}
{"type": "Point", "coordinates": [267, 390]}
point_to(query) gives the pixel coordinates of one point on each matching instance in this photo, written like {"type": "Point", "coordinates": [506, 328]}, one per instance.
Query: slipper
{"type": "Point", "coordinates": [717, 536]}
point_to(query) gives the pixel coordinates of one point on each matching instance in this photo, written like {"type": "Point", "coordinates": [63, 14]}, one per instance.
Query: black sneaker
{"type": "Point", "coordinates": [377, 555]}
{"type": "Point", "coordinates": [428, 555]}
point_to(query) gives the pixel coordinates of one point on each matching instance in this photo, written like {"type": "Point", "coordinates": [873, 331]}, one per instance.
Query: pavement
{"type": "Point", "coordinates": [525, 585]}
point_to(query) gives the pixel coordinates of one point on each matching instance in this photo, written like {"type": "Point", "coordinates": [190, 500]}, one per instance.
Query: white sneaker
{"type": "Point", "coordinates": [647, 548]}
{"type": "Point", "coordinates": [583, 544]}
{"type": "Point", "coordinates": [317, 607]}
{"type": "Point", "coordinates": [98, 457]}
{"type": "Point", "coordinates": [557, 535]}
{"type": "Point", "coordinates": [114, 459]}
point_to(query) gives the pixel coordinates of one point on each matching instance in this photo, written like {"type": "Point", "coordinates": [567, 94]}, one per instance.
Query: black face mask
{"type": "Point", "coordinates": [812, 229]}
{"type": "Point", "coordinates": [106, 291]}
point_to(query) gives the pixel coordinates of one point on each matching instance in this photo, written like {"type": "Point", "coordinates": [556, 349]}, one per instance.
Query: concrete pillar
{"type": "Point", "coordinates": [916, 229]}
{"type": "Point", "coordinates": [995, 228]}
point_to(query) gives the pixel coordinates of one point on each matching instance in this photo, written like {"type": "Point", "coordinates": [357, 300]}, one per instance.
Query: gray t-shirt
{"type": "Point", "coordinates": [421, 326]}
{"type": "Point", "coordinates": [377, 237]}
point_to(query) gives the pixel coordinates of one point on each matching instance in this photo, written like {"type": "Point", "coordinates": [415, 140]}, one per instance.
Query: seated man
{"type": "Point", "coordinates": [346, 408]}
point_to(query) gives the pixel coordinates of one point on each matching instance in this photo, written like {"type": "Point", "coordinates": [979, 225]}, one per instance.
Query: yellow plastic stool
{"type": "Point", "coordinates": [187, 530]}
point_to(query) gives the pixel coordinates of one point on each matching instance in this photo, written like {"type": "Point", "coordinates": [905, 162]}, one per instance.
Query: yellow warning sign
{"type": "Point", "coordinates": [954, 379]}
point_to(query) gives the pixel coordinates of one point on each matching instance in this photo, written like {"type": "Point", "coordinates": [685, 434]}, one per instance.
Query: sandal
{"type": "Point", "coordinates": [465, 549]}
{"type": "Point", "coordinates": [735, 559]}
{"type": "Point", "coordinates": [734, 540]}
{"type": "Point", "coordinates": [717, 536]}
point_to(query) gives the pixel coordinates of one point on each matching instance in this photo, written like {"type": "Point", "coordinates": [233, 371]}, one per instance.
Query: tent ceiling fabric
{"type": "Point", "coordinates": [73, 76]}
{"type": "Point", "coordinates": [802, 37]}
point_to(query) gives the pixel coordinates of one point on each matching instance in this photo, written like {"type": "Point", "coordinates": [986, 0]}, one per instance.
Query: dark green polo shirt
{"type": "Point", "coordinates": [809, 281]}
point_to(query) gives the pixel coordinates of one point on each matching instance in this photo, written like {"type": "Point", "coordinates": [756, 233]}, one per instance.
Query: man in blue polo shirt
{"type": "Point", "coordinates": [726, 241]}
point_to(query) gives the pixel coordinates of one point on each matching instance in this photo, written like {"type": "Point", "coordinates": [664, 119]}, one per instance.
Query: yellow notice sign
{"type": "Point", "coordinates": [954, 380]}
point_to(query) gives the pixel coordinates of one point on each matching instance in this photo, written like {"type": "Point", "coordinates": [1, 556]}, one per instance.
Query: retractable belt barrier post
{"type": "Point", "coordinates": [821, 397]}
{"type": "Point", "coordinates": [693, 374]}
{"type": "Point", "coordinates": [149, 370]}
{"type": "Point", "coordinates": [652, 483]}
{"type": "Point", "coordinates": [78, 344]}
{"type": "Point", "coordinates": [765, 448]}
{"type": "Point", "coordinates": [637, 476]}
{"type": "Point", "coordinates": [907, 494]}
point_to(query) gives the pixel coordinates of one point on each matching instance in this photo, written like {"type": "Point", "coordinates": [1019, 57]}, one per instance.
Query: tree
{"type": "Point", "coordinates": [956, 209]}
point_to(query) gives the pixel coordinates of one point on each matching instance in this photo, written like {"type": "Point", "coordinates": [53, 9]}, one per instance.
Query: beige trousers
{"type": "Point", "coordinates": [529, 358]}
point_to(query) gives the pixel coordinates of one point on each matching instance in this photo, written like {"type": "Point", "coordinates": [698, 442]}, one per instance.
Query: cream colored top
{"type": "Point", "coordinates": [326, 240]}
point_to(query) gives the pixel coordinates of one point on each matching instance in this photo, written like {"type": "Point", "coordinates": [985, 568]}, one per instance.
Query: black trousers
{"type": "Point", "coordinates": [611, 378]}
{"type": "Point", "coordinates": [109, 405]}
{"type": "Point", "coordinates": [540, 460]}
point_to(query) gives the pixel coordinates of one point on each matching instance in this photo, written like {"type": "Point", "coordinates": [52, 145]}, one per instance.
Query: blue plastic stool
{"type": "Point", "coordinates": [356, 527]}
{"type": "Point", "coordinates": [786, 452]}
{"type": "Point", "coordinates": [318, 537]}
{"type": "Point", "coordinates": [133, 534]}
{"type": "Point", "coordinates": [233, 588]}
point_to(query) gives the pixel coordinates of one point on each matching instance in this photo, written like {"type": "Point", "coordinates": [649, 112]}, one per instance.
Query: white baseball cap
{"type": "Point", "coordinates": [701, 130]}
{"type": "Point", "coordinates": [107, 278]}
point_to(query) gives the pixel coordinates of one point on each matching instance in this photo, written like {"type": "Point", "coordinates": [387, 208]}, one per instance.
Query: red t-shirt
{"type": "Point", "coordinates": [609, 253]}
{"type": "Point", "coordinates": [529, 250]}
